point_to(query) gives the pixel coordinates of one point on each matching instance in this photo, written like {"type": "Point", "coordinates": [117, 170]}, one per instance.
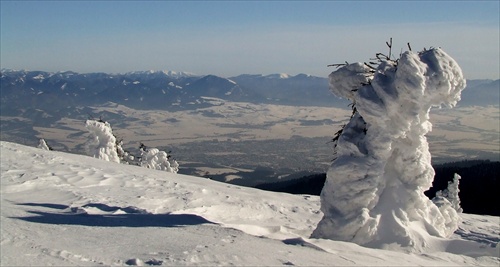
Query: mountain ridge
{"type": "Point", "coordinates": [174, 90]}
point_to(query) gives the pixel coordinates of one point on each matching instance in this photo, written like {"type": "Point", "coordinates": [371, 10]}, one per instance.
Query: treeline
{"type": "Point", "coordinates": [307, 185]}
{"type": "Point", "coordinates": [478, 187]}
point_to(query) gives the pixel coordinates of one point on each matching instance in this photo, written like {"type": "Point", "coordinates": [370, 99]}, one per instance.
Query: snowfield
{"type": "Point", "coordinates": [72, 210]}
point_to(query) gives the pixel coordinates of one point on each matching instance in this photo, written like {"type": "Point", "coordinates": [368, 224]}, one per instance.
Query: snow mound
{"type": "Point", "coordinates": [374, 193]}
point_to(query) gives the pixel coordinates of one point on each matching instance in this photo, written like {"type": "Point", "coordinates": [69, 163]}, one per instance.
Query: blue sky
{"type": "Point", "coordinates": [228, 38]}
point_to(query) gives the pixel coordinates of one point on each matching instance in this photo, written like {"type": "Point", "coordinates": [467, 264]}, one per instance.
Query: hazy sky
{"type": "Point", "coordinates": [228, 38]}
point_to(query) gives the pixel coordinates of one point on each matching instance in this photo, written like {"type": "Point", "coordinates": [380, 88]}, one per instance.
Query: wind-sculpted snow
{"type": "Point", "coordinates": [374, 192]}
{"type": "Point", "coordinates": [62, 209]}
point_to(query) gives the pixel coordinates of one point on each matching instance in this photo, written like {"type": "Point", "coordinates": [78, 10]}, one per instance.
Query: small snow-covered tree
{"type": "Point", "coordinates": [102, 142]}
{"type": "Point", "coordinates": [43, 145]}
{"type": "Point", "coordinates": [125, 156]}
{"type": "Point", "coordinates": [451, 194]}
{"type": "Point", "coordinates": [153, 158]}
{"type": "Point", "coordinates": [374, 191]}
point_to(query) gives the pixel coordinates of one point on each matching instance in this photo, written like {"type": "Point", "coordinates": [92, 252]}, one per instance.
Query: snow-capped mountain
{"type": "Point", "coordinates": [45, 89]}
{"type": "Point", "coordinates": [170, 73]}
{"type": "Point", "coordinates": [174, 90]}
{"type": "Point", "coordinates": [480, 93]}
{"type": "Point", "coordinates": [278, 76]}
{"type": "Point", "coordinates": [300, 90]}
{"type": "Point", "coordinates": [214, 86]}
{"type": "Point", "coordinates": [157, 89]}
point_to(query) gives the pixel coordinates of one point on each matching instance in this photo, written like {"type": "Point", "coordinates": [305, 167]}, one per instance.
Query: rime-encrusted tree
{"type": "Point", "coordinates": [43, 145]}
{"type": "Point", "coordinates": [450, 194]}
{"type": "Point", "coordinates": [153, 158]}
{"type": "Point", "coordinates": [102, 142]}
{"type": "Point", "coordinates": [374, 192]}
{"type": "Point", "coordinates": [125, 156]}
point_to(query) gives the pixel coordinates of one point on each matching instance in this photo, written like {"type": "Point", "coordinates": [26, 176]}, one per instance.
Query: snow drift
{"type": "Point", "coordinates": [62, 209]}
{"type": "Point", "coordinates": [374, 192]}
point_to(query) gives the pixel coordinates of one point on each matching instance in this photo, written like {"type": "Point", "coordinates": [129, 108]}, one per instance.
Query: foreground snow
{"type": "Point", "coordinates": [64, 209]}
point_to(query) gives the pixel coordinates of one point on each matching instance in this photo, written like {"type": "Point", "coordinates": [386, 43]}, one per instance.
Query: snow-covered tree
{"type": "Point", "coordinates": [104, 145]}
{"type": "Point", "coordinates": [451, 194]}
{"type": "Point", "coordinates": [153, 158]}
{"type": "Point", "coordinates": [374, 192]}
{"type": "Point", "coordinates": [43, 145]}
{"type": "Point", "coordinates": [125, 156]}
{"type": "Point", "coordinates": [102, 142]}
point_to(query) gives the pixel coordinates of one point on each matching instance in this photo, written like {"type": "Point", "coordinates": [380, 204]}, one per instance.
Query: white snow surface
{"type": "Point", "coordinates": [70, 210]}
{"type": "Point", "coordinates": [374, 193]}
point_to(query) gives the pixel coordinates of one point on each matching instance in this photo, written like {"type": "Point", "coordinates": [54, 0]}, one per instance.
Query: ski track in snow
{"type": "Point", "coordinates": [72, 210]}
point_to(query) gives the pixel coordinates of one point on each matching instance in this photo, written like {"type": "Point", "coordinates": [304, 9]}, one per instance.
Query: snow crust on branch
{"type": "Point", "coordinates": [102, 142]}
{"type": "Point", "coordinates": [374, 192]}
{"type": "Point", "coordinates": [125, 156]}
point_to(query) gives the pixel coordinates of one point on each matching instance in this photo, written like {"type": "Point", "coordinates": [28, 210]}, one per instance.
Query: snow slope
{"type": "Point", "coordinates": [67, 210]}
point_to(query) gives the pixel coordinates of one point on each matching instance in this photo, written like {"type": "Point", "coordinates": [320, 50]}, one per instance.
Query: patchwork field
{"type": "Point", "coordinates": [229, 140]}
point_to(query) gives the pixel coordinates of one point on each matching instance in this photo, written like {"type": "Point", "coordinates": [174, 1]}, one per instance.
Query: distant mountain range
{"type": "Point", "coordinates": [481, 93]}
{"type": "Point", "coordinates": [158, 89]}
{"type": "Point", "coordinates": [170, 90]}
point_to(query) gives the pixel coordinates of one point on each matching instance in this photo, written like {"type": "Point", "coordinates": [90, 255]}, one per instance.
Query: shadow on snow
{"type": "Point", "coordinates": [128, 216]}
